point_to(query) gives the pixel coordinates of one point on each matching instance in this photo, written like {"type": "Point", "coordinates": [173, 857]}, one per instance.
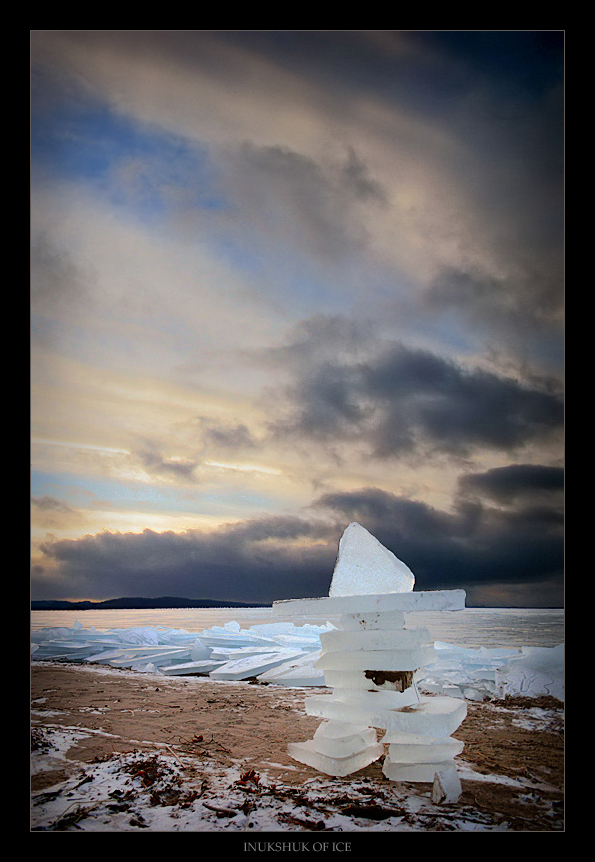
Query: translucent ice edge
{"type": "Point", "coordinates": [365, 566]}
{"type": "Point", "coordinates": [467, 672]}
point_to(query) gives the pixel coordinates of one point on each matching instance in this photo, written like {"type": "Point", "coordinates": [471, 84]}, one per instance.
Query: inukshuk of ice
{"type": "Point", "coordinates": [371, 662]}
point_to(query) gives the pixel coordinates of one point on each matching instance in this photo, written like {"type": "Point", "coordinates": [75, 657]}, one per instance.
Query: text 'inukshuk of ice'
{"type": "Point", "coordinates": [371, 662]}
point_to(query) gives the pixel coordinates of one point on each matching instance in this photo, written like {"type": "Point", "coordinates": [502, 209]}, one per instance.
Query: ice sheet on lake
{"type": "Point", "coordinates": [465, 672]}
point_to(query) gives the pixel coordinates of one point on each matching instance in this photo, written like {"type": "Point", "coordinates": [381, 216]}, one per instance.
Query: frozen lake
{"type": "Point", "coordinates": [488, 627]}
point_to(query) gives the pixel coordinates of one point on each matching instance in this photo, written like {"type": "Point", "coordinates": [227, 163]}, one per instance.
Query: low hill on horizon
{"type": "Point", "coordinates": [137, 603]}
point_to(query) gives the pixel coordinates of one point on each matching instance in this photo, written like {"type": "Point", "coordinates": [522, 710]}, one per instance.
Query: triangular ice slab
{"type": "Point", "coordinates": [244, 668]}
{"type": "Point", "coordinates": [307, 752]}
{"type": "Point", "coordinates": [365, 567]}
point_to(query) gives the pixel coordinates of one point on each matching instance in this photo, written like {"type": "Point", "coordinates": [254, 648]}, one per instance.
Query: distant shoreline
{"type": "Point", "coordinates": [177, 602]}
{"type": "Point", "coordinates": [138, 603]}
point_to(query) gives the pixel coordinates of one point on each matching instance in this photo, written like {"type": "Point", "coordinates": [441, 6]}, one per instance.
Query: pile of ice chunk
{"type": "Point", "coordinates": [285, 653]}
{"type": "Point", "coordinates": [459, 671]}
{"type": "Point", "coordinates": [221, 652]}
{"type": "Point", "coordinates": [479, 673]}
{"type": "Point", "coordinates": [372, 664]}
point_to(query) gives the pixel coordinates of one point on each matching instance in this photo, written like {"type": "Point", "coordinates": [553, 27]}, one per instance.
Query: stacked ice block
{"type": "Point", "coordinates": [371, 662]}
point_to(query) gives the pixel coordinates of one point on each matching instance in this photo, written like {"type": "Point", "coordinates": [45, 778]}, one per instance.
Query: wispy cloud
{"type": "Point", "coordinates": [398, 400]}
{"type": "Point", "coordinates": [281, 279]}
{"type": "Point", "coordinates": [264, 559]}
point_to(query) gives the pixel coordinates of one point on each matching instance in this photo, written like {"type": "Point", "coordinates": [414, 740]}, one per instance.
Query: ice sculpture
{"type": "Point", "coordinates": [365, 566]}
{"type": "Point", "coordinates": [371, 662]}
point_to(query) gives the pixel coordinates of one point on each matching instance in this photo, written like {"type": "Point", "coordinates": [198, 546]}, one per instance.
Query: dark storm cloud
{"type": "Point", "coordinates": [416, 174]}
{"type": "Point", "coordinates": [257, 561]}
{"type": "Point", "coordinates": [301, 201]}
{"type": "Point", "coordinates": [399, 400]}
{"type": "Point", "coordinates": [264, 559]}
{"type": "Point", "coordinates": [505, 484]}
{"type": "Point", "coordinates": [524, 305]}
{"type": "Point", "coordinates": [455, 409]}
{"type": "Point", "coordinates": [474, 546]}
{"type": "Point", "coordinates": [505, 92]}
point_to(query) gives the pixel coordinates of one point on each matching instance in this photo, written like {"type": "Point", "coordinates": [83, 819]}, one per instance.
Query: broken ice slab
{"type": "Point", "coordinates": [328, 707]}
{"type": "Point", "coordinates": [431, 687]}
{"type": "Point", "coordinates": [340, 730]}
{"type": "Point", "coordinates": [372, 702]}
{"type": "Point", "coordinates": [376, 639]}
{"type": "Point", "coordinates": [245, 668]}
{"type": "Point", "coordinates": [535, 670]}
{"type": "Point", "coordinates": [363, 707]}
{"type": "Point", "coordinates": [59, 650]}
{"type": "Point", "coordinates": [447, 786]}
{"type": "Point", "coordinates": [477, 694]}
{"type": "Point", "coordinates": [295, 642]}
{"type": "Point", "coordinates": [199, 651]}
{"type": "Point", "coordinates": [235, 653]}
{"type": "Point", "coordinates": [434, 752]}
{"type": "Point", "coordinates": [398, 736]}
{"type": "Point", "coordinates": [334, 734]}
{"type": "Point", "coordinates": [235, 641]}
{"type": "Point", "coordinates": [373, 620]}
{"type": "Point", "coordinates": [70, 645]}
{"type": "Point", "coordinates": [125, 656]}
{"type": "Point", "coordinates": [306, 752]}
{"type": "Point", "coordinates": [435, 717]}
{"type": "Point", "coordinates": [297, 672]}
{"type": "Point", "coordinates": [191, 668]}
{"type": "Point", "coordinates": [365, 566]}
{"type": "Point", "coordinates": [105, 656]}
{"type": "Point", "coordinates": [346, 747]}
{"type": "Point", "coordinates": [452, 690]}
{"type": "Point", "coordinates": [377, 699]}
{"type": "Point", "coordinates": [289, 635]}
{"type": "Point", "coordinates": [398, 659]}
{"type": "Point", "coordinates": [416, 772]}
{"type": "Point", "coordinates": [66, 649]}
{"type": "Point", "coordinates": [272, 630]}
{"type": "Point", "coordinates": [155, 656]}
{"type": "Point", "coordinates": [429, 600]}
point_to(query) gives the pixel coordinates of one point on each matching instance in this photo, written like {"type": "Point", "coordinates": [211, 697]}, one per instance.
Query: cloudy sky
{"type": "Point", "coordinates": [284, 280]}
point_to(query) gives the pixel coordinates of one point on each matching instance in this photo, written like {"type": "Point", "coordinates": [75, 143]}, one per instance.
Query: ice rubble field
{"type": "Point", "coordinates": [285, 653]}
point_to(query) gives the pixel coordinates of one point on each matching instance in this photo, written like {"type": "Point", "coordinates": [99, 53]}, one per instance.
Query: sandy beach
{"type": "Point", "coordinates": [192, 754]}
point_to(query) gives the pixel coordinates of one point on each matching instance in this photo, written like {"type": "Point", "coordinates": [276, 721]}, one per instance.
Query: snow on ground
{"type": "Point", "coordinates": [135, 792]}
